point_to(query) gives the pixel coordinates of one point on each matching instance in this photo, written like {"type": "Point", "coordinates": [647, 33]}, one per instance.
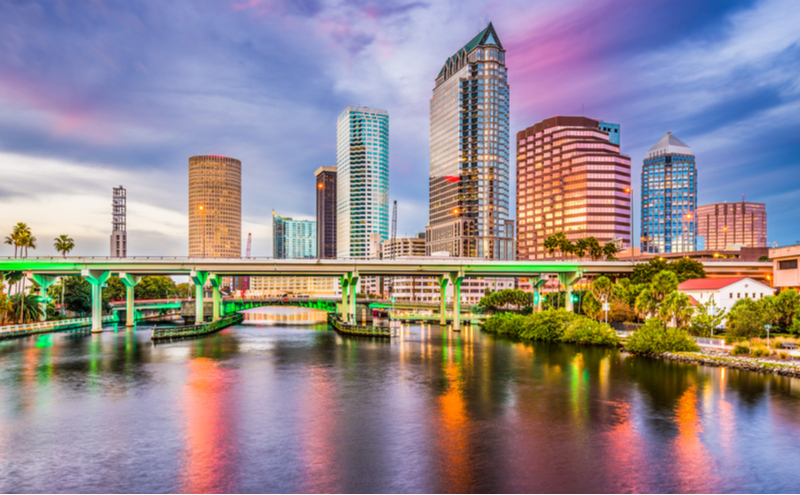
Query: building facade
{"type": "Point", "coordinates": [362, 180]}
{"type": "Point", "coordinates": [215, 207]}
{"type": "Point", "coordinates": [469, 167]}
{"type": "Point", "coordinates": [297, 286]}
{"type": "Point", "coordinates": [722, 293]}
{"type": "Point", "coordinates": [293, 239]}
{"type": "Point", "coordinates": [740, 224]}
{"type": "Point", "coordinates": [119, 223]}
{"type": "Point", "coordinates": [786, 266]}
{"type": "Point", "coordinates": [571, 178]}
{"type": "Point", "coordinates": [403, 246]}
{"type": "Point", "coordinates": [326, 212]}
{"type": "Point", "coordinates": [669, 198]}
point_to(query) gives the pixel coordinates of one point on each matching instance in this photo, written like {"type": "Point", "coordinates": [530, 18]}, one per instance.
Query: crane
{"type": "Point", "coordinates": [246, 284]}
{"type": "Point", "coordinates": [394, 230]}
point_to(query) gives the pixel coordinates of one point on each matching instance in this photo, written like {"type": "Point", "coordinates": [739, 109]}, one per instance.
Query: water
{"type": "Point", "coordinates": [282, 409]}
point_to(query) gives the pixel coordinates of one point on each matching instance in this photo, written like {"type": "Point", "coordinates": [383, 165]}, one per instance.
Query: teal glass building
{"type": "Point", "coordinates": [362, 180]}
{"type": "Point", "coordinates": [669, 198]}
{"type": "Point", "coordinates": [293, 239]}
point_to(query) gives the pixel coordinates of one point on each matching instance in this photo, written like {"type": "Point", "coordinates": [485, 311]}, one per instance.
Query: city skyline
{"type": "Point", "coordinates": [127, 122]}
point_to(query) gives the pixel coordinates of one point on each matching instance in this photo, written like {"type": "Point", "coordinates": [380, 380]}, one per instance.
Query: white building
{"type": "Point", "coordinates": [724, 292]}
{"type": "Point", "coordinates": [293, 285]}
{"type": "Point", "coordinates": [362, 180]}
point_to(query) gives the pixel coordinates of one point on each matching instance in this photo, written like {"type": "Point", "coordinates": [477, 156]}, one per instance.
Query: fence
{"type": "Point", "coordinates": [161, 333]}
{"type": "Point", "coordinates": [49, 326]}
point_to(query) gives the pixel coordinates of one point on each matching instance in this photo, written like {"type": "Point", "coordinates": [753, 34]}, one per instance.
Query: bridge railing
{"type": "Point", "coordinates": [52, 324]}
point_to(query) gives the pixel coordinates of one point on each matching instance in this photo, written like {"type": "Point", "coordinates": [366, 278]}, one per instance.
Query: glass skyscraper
{"type": "Point", "coordinates": [469, 163]}
{"type": "Point", "coordinates": [362, 180]}
{"type": "Point", "coordinates": [669, 198]}
{"type": "Point", "coordinates": [292, 239]}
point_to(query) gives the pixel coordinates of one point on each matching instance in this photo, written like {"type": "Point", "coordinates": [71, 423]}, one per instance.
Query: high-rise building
{"type": "Point", "coordinates": [119, 223]}
{"type": "Point", "coordinates": [362, 180]}
{"type": "Point", "coordinates": [403, 246]}
{"type": "Point", "coordinates": [293, 239]}
{"type": "Point", "coordinates": [215, 207]}
{"type": "Point", "coordinates": [469, 181]}
{"type": "Point", "coordinates": [571, 178]}
{"type": "Point", "coordinates": [741, 224]}
{"type": "Point", "coordinates": [669, 198]}
{"type": "Point", "coordinates": [326, 212]}
{"type": "Point", "coordinates": [612, 130]}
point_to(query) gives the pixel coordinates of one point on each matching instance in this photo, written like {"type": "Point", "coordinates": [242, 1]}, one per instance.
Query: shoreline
{"type": "Point", "coordinates": [732, 362]}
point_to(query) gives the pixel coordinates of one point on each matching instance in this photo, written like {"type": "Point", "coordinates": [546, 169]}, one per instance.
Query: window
{"type": "Point", "coordinates": [738, 295]}
{"type": "Point", "coordinates": [787, 265]}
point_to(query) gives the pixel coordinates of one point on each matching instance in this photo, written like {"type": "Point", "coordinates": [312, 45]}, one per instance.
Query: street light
{"type": "Point", "coordinates": [685, 233]}
{"type": "Point", "coordinates": [629, 190]}
{"type": "Point", "coordinates": [203, 211]}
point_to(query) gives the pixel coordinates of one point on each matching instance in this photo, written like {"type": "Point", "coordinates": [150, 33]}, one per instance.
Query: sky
{"type": "Point", "coordinates": [98, 94]}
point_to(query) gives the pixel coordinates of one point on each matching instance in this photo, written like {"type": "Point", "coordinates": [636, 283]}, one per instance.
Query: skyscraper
{"type": "Point", "coordinates": [326, 212]}
{"type": "Point", "coordinates": [469, 153]}
{"type": "Point", "coordinates": [293, 238]}
{"type": "Point", "coordinates": [741, 223]}
{"type": "Point", "coordinates": [215, 207]}
{"type": "Point", "coordinates": [119, 222]}
{"type": "Point", "coordinates": [571, 178]}
{"type": "Point", "coordinates": [362, 180]}
{"type": "Point", "coordinates": [669, 198]}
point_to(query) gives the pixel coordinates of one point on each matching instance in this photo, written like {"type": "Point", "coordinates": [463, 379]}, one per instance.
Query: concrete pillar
{"type": "Point", "coordinates": [96, 278]}
{"type": "Point", "coordinates": [457, 278]}
{"type": "Point", "coordinates": [344, 283]}
{"type": "Point", "coordinates": [537, 283]}
{"type": "Point", "coordinates": [216, 284]}
{"type": "Point", "coordinates": [130, 282]}
{"type": "Point", "coordinates": [442, 281]}
{"type": "Point", "coordinates": [44, 282]}
{"type": "Point", "coordinates": [199, 280]}
{"type": "Point", "coordinates": [353, 291]}
{"type": "Point", "coordinates": [569, 279]}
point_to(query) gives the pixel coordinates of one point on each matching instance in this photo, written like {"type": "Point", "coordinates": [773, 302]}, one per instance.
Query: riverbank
{"type": "Point", "coordinates": [723, 359]}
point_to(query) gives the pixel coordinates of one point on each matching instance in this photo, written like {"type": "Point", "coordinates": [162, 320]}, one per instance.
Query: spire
{"type": "Point", "coordinates": [486, 37]}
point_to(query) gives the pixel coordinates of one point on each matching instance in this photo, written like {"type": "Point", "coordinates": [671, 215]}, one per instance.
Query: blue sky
{"type": "Point", "coordinates": [96, 94]}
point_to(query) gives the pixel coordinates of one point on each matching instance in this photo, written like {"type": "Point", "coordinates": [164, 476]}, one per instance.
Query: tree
{"type": "Point", "coordinates": [654, 337]}
{"type": "Point", "coordinates": [553, 243]}
{"type": "Point", "coordinates": [747, 318]}
{"type": "Point", "coordinates": [610, 251]}
{"type": "Point", "coordinates": [28, 308]}
{"type": "Point", "coordinates": [687, 268]}
{"type": "Point", "coordinates": [184, 290]}
{"type": "Point", "coordinates": [580, 248]}
{"type": "Point", "coordinates": [677, 309]}
{"type": "Point", "coordinates": [602, 289]}
{"type": "Point", "coordinates": [643, 273]}
{"type": "Point", "coordinates": [594, 247]}
{"type": "Point", "coordinates": [786, 305]}
{"type": "Point", "coordinates": [565, 245]}
{"type": "Point", "coordinates": [115, 290]}
{"type": "Point", "coordinates": [155, 287]}
{"type": "Point", "coordinates": [17, 234]}
{"type": "Point", "coordinates": [78, 295]}
{"type": "Point", "coordinates": [64, 244]}
{"type": "Point", "coordinates": [763, 257]}
{"type": "Point", "coordinates": [662, 284]}
{"type": "Point", "coordinates": [706, 318]}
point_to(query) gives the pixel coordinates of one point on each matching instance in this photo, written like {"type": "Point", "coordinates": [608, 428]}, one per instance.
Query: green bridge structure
{"type": "Point", "coordinates": [45, 270]}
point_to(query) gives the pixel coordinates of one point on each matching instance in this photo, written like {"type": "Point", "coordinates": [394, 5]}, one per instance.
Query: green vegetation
{"type": "Point", "coordinates": [586, 331]}
{"type": "Point", "coordinates": [655, 337]}
{"type": "Point", "coordinates": [740, 350]}
{"type": "Point", "coordinates": [763, 257]}
{"type": "Point", "coordinates": [706, 318]}
{"type": "Point", "coordinates": [747, 318]}
{"type": "Point", "coordinates": [684, 269]}
{"type": "Point", "coordinates": [554, 325]}
{"type": "Point", "coordinates": [759, 351]}
{"type": "Point", "coordinates": [517, 298]}
{"type": "Point", "coordinates": [590, 246]}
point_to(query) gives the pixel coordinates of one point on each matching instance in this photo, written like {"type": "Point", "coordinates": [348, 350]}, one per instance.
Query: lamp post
{"type": "Point", "coordinates": [687, 236]}
{"type": "Point", "coordinates": [629, 190]}
{"type": "Point", "coordinates": [203, 211]}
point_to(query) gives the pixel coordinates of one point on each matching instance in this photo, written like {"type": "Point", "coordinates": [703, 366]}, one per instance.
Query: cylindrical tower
{"type": "Point", "coordinates": [215, 207]}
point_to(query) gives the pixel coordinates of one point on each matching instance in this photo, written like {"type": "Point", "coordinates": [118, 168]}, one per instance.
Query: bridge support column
{"type": "Point", "coordinates": [199, 280]}
{"type": "Point", "coordinates": [457, 278]}
{"type": "Point", "coordinates": [353, 291]}
{"type": "Point", "coordinates": [216, 284]}
{"type": "Point", "coordinates": [344, 283]}
{"type": "Point", "coordinates": [537, 283]}
{"type": "Point", "coordinates": [96, 278]}
{"type": "Point", "coordinates": [569, 279]}
{"type": "Point", "coordinates": [130, 282]}
{"type": "Point", "coordinates": [44, 282]}
{"type": "Point", "coordinates": [442, 282]}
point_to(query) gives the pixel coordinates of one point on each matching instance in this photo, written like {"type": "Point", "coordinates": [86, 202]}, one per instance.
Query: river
{"type": "Point", "coordinates": [303, 409]}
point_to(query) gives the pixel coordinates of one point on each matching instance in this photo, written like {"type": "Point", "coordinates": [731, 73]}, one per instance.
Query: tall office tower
{"type": "Point", "coordinates": [469, 154]}
{"type": "Point", "coordinates": [362, 180]}
{"type": "Point", "coordinates": [119, 227]}
{"type": "Point", "coordinates": [215, 207]}
{"type": "Point", "coordinates": [669, 198]}
{"type": "Point", "coordinates": [293, 239]}
{"type": "Point", "coordinates": [723, 224]}
{"type": "Point", "coordinates": [326, 212]}
{"type": "Point", "coordinates": [571, 178]}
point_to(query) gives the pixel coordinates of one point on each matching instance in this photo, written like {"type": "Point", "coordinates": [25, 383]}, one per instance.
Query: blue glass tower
{"type": "Point", "coordinates": [293, 238]}
{"type": "Point", "coordinates": [669, 198]}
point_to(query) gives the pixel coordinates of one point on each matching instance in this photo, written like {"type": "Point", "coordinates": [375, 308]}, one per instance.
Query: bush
{"type": "Point", "coordinates": [783, 355]}
{"type": "Point", "coordinates": [760, 352]}
{"type": "Point", "coordinates": [547, 325]}
{"type": "Point", "coordinates": [505, 324]}
{"type": "Point", "coordinates": [740, 350]}
{"type": "Point", "coordinates": [654, 337]}
{"type": "Point", "coordinates": [583, 330]}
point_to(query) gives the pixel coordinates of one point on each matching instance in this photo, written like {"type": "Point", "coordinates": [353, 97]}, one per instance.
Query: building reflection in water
{"type": "Point", "coordinates": [694, 468]}
{"type": "Point", "coordinates": [209, 463]}
{"type": "Point", "coordinates": [318, 447]}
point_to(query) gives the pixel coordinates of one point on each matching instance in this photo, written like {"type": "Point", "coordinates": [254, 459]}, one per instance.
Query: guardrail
{"type": "Point", "coordinates": [165, 333]}
{"type": "Point", "coordinates": [49, 326]}
{"type": "Point", "coordinates": [360, 330]}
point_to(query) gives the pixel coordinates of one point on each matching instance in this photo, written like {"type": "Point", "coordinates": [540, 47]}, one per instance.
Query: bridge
{"type": "Point", "coordinates": [44, 270]}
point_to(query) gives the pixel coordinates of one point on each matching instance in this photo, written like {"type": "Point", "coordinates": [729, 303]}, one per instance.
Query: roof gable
{"type": "Point", "coordinates": [715, 283]}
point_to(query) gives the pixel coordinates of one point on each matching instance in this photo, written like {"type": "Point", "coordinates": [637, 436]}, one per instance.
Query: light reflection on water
{"type": "Point", "coordinates": [282, 409]}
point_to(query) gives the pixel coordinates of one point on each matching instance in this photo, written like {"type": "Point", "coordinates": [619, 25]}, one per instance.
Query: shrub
{"type": "Point", "coordinates": [783, 355]}
{"type": "Point", "coordinates": [547, 325]}
{"type": "Point", "coordinates": [739, 350]}
{"type": "Point", "coordinates": [759, 352]}
{"type": "Point", "coordinates": [505, 324]}
{"type": "Point", "coordinates": [654, 337]}
{"type": "Point", "coordinates": [583, 330]}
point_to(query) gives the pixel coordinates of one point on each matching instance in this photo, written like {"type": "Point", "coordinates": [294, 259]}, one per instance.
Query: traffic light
{"type": "Point", "coordinates": [536, 298]}
{"type": "Point", "coordinates": [574, 298]}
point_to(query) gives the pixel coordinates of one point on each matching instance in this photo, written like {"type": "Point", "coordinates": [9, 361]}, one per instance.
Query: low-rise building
{"type": "Point", "coordinates": [294, 285]}
{"type": "Point", "coordinates": [724, 292]}
{"type": "Point", "coordinates": [785, 267]}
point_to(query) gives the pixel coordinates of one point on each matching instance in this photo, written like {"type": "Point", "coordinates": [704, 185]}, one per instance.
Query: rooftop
{"type": "Point", "coordinates": [709, 283]}
{"type": "Point", "coordinates": [669, 144]}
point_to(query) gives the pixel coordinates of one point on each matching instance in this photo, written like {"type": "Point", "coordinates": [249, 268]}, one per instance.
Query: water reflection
{"type": "Point", "coordinates": [284, 409]}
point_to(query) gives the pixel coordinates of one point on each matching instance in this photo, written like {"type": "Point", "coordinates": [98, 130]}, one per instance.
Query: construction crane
{"type": "Point", "coordinates": [394, 230]}
{"type": "Point", "coordinates": [246, 283]}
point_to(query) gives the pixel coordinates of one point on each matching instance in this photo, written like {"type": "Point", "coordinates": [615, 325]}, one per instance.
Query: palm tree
{"type": "Point", "coordinates": [580, 248]}
{"type": "Point", "coordinates": [594, 248]}
{"type": "Point", "coordinates": [676, 308]}
{"type": "Point", "coordinates": [610, 251]}
{"type": "Point", "coordinates": [27, 241]}
{"type": "Point", "coordinates": [567, 247]}
{"type": "Point", "coordinates": [64, 244]}
{"type": "Point", "coordinates": [11, 240]}
{"type": "Point", "coordinates": [552, 244]}
{"type": "Point", "coordinates": [15, 239]}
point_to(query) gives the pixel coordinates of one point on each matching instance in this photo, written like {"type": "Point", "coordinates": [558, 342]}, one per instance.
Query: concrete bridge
{"type": "Point", "coordinates": [447, 271]}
